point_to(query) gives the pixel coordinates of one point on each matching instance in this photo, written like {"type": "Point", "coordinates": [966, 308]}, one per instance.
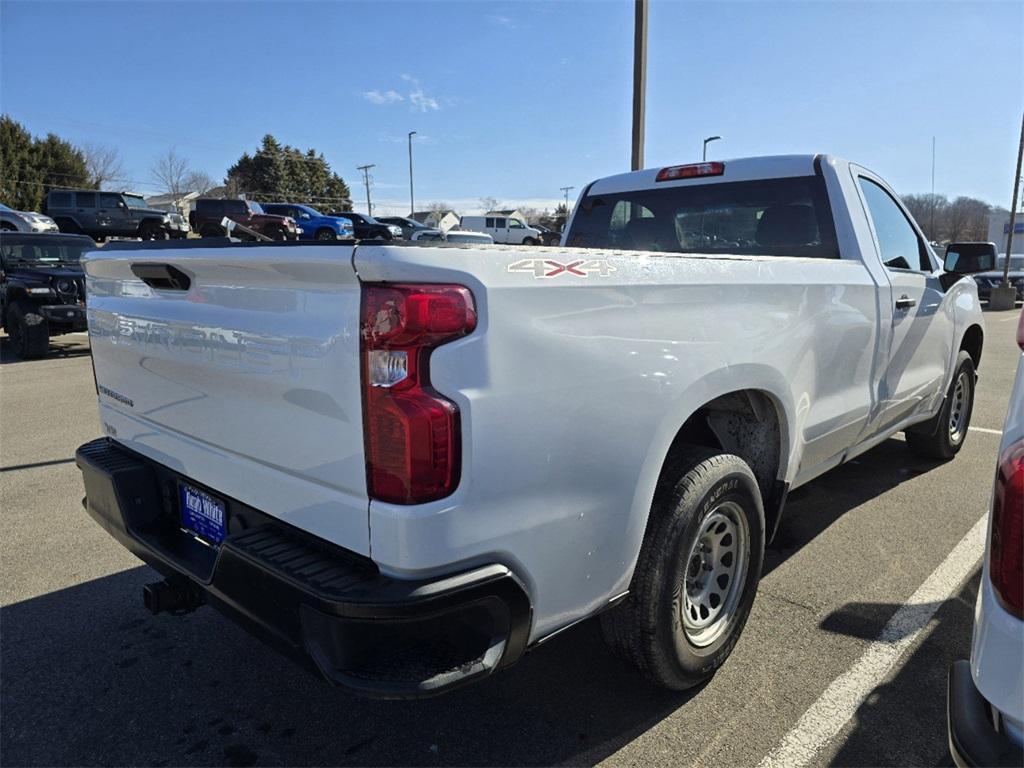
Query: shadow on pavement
{"type": "Point", "coordinates": [90, 678]}
{"type": "Point", "coordinates": [903, 722]}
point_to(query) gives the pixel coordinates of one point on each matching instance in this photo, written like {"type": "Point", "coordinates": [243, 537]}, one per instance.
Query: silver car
{"type": "Point", "coordinates": [23, 221]}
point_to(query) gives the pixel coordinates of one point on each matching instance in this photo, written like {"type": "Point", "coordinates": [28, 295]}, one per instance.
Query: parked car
{"type": "Point", "coordinates": [986, 694]}
{"type": "Point", "coordinates": [989, 280]}
{"type": "Point", "coordinates": [548, 236]}
{"type": "Point", "coordinates": [369, 228]}
{"type": "Point", "coordinates": [410, 227]}
{"type": "Point", "coordinates": [205, 218]}
{"type": "Point", "coordinates": [177, 226]}
{"type": "Point", "coordinates": [42, 288]}
{"type": "Point", "coordinates": [648, 405]}
{"type": "Point", "coordinates": [503, 229]}
{"type": "Point", "coordinates": [24, 221]}
{"type": "Point", "coordinates": [452, 236]}
{"type": "Point", "coordinates": [105, 214]}
{"type": "Point", "coordinates": [314, 225]}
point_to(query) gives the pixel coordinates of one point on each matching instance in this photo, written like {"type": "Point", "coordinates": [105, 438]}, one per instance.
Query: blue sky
{"type": "Point", "coordinates": [514, 100]}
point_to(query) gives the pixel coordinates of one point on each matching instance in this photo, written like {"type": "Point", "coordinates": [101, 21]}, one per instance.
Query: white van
{"type": "Point", "coordinates": [504, 229]}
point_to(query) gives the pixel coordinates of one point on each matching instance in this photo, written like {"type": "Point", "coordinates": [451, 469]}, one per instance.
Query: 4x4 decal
{"type": "Point", "coordinates": [543, 268]}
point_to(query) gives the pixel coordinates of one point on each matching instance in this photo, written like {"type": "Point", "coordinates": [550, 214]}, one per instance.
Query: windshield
{"type": "Point", "coordinates": [255, 207]}
{"type": "Point", "coordinates": [310, 211]}
{"type": "Point", "coordinates": [5, 208]}
{"type": "Point", "coordinates": [38, 252]}
{"type": "Point", "coordinates": [135, 202]}
{"type": "Point", "coordinates": [772, 217]}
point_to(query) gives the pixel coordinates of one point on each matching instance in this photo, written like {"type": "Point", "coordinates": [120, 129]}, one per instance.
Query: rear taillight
{"type": "Point", "coordinates": [412, 434]}
{"type": "Point", "coordinates": [693, 171]}
{"type": "Point", "coordinates": [1006, 550]}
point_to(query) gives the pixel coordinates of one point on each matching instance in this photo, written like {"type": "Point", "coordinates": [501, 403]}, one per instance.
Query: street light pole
{"type": "Point", "coordinates": [639, 83]}
{"type": "Point", "coordinates": [412, 200]}
{"type": "Point", "coordinates": [707, 141]}
{"type": "Point", "coordinates": [566, 191]}
{"type": "Point", "coordinates": [366, 180]}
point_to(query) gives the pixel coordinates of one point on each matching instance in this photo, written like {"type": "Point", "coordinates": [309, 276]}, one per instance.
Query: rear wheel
{"type": "Point", "coordinates": [6, 226]}
{"type": "Point", "coordinates": [211, 230]}
{"type": "Point", "coordinates": [943, 437]}
{"type": "Point", "coordinates": [28, 330]}
{"type": "Point", "coordinates": [275, 233]}
{"type": "Point", "coordinates": [697, 573]}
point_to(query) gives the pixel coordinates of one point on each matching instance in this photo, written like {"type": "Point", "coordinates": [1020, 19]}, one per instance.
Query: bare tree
{"type": "Point", "coordinates": [489, 204]}
{"type": "Point", "coordinates": [438, 208]}
{"type": "Point", "coordinates": [198, 181]}
{"type": "Point", "coordinates": [104, 165]}
{"type": "Point", "coordinates": [170, 171]}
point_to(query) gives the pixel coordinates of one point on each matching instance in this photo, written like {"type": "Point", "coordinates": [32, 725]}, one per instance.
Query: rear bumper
{"type": "Point", "coordinates": [973, 739]}
{"type": "Point", "coordinates": [329, 608]}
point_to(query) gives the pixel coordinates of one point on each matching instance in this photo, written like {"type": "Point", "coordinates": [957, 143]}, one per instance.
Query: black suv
{"type": "Point", "coordinates": [369, 228]}
{"type": "Point", "coordinates": [42, 288]}
{"type": "Point", "coordinates": [105, 214]}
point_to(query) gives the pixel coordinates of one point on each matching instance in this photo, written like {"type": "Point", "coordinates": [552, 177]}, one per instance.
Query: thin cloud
{"type": "Point", "coordinates": [501, 21]}
{"type": "Point", "coordinates": [420, 102]}
{"type": "Point", "coordinates": [387, 97]}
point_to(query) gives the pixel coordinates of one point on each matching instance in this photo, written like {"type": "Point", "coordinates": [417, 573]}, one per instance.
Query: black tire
{"type": "Point", "coordinates": [530, 241]}
{"type": "Point", "coordinates": [211, 230]}
{"type": "Point", "coordinates": [325, 234]}
{"type": "Point", "coordinates": [275, 233]}
{"type": "Point", "coordinates": [151, 230]}
{"type": "Point", "coordinates": [69, 226]}
{"type": "Point", "coordinates": [6, 226]}
{"type": "Point", "coordinates": [647, 629]}
{"type": "Point", "coordinates": [28, 331]}
{"type": "Point", "coordinates": [942, 437]}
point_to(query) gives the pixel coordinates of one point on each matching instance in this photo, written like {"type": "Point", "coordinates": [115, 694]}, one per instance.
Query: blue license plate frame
{"type": "Point", "coordinates": [202, 514]}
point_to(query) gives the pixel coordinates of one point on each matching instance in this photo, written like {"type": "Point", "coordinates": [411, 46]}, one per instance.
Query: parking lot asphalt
{"type": "Point", "coordinates": [89, 677]}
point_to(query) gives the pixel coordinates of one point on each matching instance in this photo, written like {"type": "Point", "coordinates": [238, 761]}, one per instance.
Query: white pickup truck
{"type": "Point", "coordinates": [406, 465]}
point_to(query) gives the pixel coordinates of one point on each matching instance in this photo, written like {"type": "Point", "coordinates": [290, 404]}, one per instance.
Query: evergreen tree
{"type": "Point", "coordinates": [30, 167]}
{"type": "Point", "coordinates": [281, 173]}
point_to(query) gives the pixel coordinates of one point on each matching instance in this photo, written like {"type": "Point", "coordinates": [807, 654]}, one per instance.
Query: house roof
{"type": "Point", "coordinates": [422, 216]}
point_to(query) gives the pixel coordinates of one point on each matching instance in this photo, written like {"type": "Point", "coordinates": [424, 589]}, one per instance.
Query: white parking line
{"type": "Point", "coordinates": [985, 430]}
{"type": "Point", "coordinates": [827, 716]}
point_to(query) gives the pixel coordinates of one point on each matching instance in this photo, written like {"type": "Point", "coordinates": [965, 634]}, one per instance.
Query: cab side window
{"type": "Point", "coordinates": [499, 223]}
{"type": "Point", "coordinates": [489, 222]}
{"type": "Point", "coordinates": [898, 243]}
{"type": "Point", "coordinates": [85, 199]}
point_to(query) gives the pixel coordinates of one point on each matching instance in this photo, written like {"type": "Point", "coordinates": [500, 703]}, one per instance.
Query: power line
{"type": "Point", "coordinates": [366, 180]}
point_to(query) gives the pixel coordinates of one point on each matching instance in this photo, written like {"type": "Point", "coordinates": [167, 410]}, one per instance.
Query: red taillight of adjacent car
{"type": "Point", "coordinates": [1006, 550]}
{"type": "Point", "coordinates": [412, 433]}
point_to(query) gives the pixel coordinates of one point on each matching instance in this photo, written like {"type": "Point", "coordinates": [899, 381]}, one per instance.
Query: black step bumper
{"type": "Point", "coordinates": [973, 739]}
{"type": "Point", "coordinates": [325, 606]}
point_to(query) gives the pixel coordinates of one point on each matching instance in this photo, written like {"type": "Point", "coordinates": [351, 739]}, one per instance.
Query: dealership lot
{"type": "Point", "coordinates": [90, 678]}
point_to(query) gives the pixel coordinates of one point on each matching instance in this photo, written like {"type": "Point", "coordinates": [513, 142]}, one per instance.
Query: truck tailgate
{"type": "Point", "coordinates": [247, 381]}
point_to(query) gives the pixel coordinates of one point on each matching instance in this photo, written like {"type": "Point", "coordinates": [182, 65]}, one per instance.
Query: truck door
{"type": "Point", "coordinates": [112, 208]}
{"type": "Point", "coordinates": [85, 212]}
{"type": "Point", "coordinates": [922, 322]}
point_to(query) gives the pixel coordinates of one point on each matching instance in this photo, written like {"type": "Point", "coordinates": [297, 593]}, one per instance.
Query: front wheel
{"type": "Point", "coordinates": [943, 437]}
{"type": "Point", "coordinates": [697, 574]}
{"type": "Point", "coordinates": [28, 330]}
{"type": "Point", "coordinates": [530, 241]}
{"type": "Point", "coordinates": [325, 234]}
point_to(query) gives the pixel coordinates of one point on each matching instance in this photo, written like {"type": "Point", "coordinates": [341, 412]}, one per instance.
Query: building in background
{"type": "Point", "coordinates": [443, 220]}
{"type": "Point", "coordinates": [999, 228]}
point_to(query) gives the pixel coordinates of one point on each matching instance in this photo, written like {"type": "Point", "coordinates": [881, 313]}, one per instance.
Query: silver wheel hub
{"type": "Point", "coordinates": [958, 409]}
{"type": "Point", "coordinates": [716, 568]}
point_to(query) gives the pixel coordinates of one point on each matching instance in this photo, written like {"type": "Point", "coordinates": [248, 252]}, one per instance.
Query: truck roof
{"type": "Point", "coordinates": [736, 169]}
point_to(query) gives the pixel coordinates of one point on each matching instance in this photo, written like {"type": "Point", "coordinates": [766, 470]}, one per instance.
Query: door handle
{"type": "Point", "coordinates": [905, 302]}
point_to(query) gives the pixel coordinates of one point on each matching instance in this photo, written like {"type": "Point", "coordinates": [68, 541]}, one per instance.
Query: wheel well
{"type": "Point", "coordinates": [745, 423]}
{"type": "Point", "coordinates": [972, 342]}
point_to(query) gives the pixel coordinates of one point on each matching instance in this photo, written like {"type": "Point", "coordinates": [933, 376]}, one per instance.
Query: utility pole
{"type": "Point", "coordinates": [639, 83]}
{"type": "Point", "coordinates": [366, 180]}
{"type": "Point", "coordinates": [1004, 294]}
{"type": "Point", "coordinates": [566, 191]}
{"type": "Point", "coordinates": [933, 191]}
{"type": "Point", "coordinates": [412, 200]}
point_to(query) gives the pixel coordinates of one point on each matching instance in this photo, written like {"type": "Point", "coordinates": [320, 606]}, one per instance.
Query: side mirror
{"type": "Point", "coordinates": [305, 216]}
{"type": "Point", "coordinates": [969, 258]}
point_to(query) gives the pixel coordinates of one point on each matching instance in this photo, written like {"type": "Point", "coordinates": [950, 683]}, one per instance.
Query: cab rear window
{"type": "Point", "coordinates": [770, 217]}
